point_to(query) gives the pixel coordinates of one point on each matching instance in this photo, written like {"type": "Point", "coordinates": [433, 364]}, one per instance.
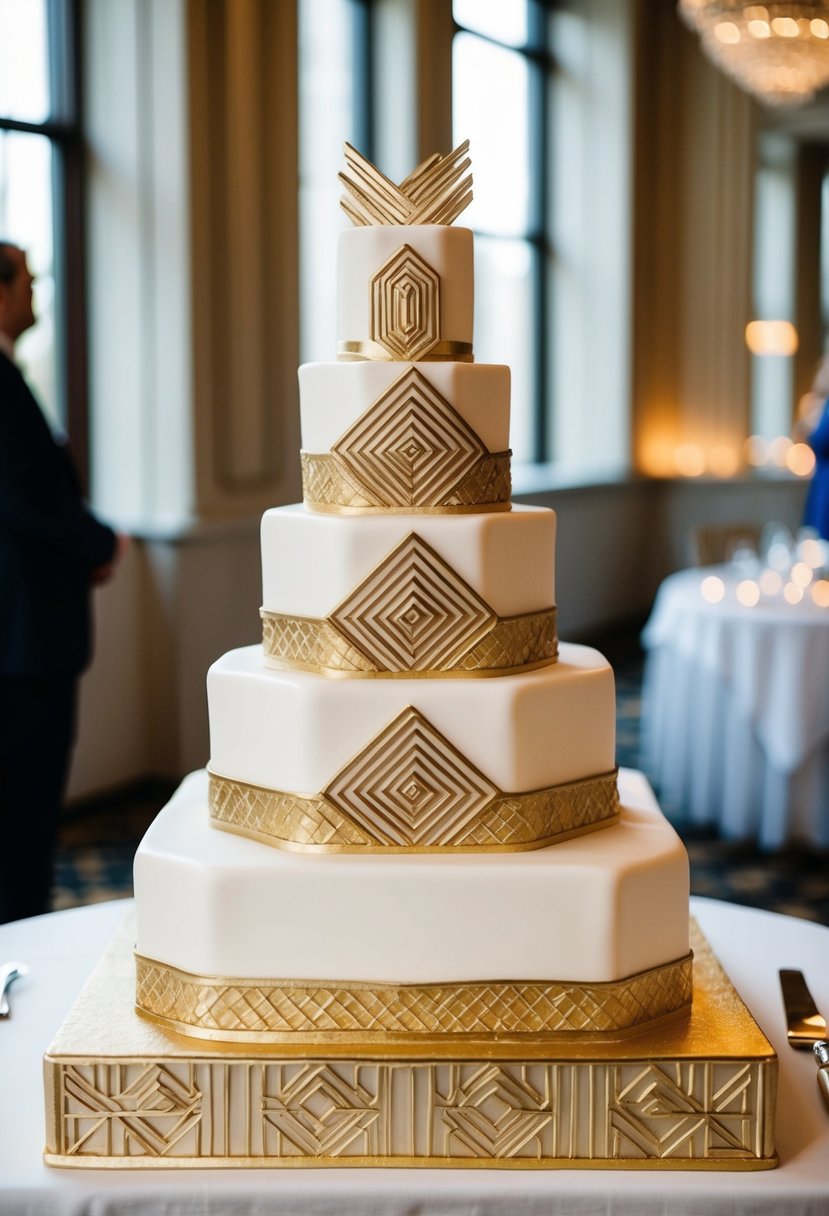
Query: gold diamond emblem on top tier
{"type": "Point", "coordinates": [413, 612]}
{"type": "Point", "coordinates": [410, 786]}
{"type": "Point", "coordinates": [410, 447]}
{"type": "Point", "coordinates": [404, 313]}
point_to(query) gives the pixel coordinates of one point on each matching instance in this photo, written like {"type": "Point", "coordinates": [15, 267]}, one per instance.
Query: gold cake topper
{"type": "Point", "coordinates": [436, 192]}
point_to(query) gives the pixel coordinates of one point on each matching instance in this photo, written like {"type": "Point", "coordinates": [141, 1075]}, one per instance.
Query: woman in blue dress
{"type": "Point", "coordinates": [816, 511]}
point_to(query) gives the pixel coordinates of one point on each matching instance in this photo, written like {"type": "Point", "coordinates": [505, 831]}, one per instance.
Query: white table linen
{"type": "Point", "coordinates": [735, 711]}
{"type": "Point", "coordinates": [61, 950]}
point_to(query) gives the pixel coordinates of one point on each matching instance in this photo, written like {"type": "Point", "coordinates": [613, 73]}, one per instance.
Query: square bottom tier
{"type": "Point", "coordinates": [693, 1094]}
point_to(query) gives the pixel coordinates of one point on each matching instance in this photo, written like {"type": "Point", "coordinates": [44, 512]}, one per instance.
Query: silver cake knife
{"type": "Point", "coordinates": [805, 1025]}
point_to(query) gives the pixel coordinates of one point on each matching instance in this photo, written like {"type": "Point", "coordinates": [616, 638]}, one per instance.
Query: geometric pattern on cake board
{"type": "Point", "coordinates": [409, 790]}
{"type": "Point", "coordinates": [696, 1093]}
{"type": "Point", "coordinates": [412, 615]}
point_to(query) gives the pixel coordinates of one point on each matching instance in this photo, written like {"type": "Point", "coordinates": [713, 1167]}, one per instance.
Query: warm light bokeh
{"type": "Point", "coordinates": [770, 582]}
{"type": "Point", "coordinates": [792, 593]}
{"type": "Point", "coordinates": [756, 450]}
{"type": "Point", "coordinates": [771, 338]}
{"type": "Point", "coordinates": [800, 459]}
{"type": "Point", "coordinates": [713, 589]}
{"type": "Point", "coordinates": [801, 574]}
{"type": "Point", "coordinates": [748, 593]}
{"type": "Point", "coordinates": [689, 460]}
{"type": "Point", "coordinates": [820, 593]}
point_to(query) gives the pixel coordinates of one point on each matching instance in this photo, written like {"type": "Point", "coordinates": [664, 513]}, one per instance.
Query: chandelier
{"type": "Point", "coordinates": [779, 52]}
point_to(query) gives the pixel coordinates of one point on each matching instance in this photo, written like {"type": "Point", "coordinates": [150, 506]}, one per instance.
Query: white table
{"type": "Point", "coordinates": [62, 948]}
{"type": "Point", "coordinates": [735, 711]}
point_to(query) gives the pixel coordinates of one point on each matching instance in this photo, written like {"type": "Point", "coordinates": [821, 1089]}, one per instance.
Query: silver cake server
{"type": "Point", "coordinates": [9, 972]}
{"type": "Point", "coordinates": [805, 1025]}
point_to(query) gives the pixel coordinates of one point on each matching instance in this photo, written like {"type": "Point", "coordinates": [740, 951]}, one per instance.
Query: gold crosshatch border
{"type": "Point", "coordinates": [265, 1011]}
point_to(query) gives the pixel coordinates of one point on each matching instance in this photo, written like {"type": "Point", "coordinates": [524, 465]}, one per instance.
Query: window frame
{"type": "Point", "coordinates": [541, 63]}
{"type": "Point", "coordinates": [63, 129]}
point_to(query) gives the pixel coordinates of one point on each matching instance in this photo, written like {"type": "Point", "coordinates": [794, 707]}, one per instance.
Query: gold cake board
{"type": "Point", "coordinates": [695, 1093]}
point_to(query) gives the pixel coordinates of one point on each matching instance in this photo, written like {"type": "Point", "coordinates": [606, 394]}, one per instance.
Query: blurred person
{"type": "Point", "coordinates": [52, 549]}
{"type": "Point", "coordinates": [814, 425]}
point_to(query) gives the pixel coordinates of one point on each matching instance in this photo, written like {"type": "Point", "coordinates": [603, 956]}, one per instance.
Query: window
{"type": "Point", "coordinates": [334, 106]}
{"type": "Point", "coordinates": [543, 89]}
{"type": "Point", "coordinates": [772, 376]}
{"type": "Point", "coordinates": [40, 165]}
{"type": "Point", "coordinates": [501, 66]}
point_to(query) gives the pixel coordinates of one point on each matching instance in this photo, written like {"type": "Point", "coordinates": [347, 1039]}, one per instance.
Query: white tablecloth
{"type": "Point", "coordinates": [61, 950]}
{"type": "Point", "coordinates": [735, 711]}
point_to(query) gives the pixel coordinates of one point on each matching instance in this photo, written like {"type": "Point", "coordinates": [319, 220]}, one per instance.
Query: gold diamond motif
{"type": "Point", "coordinates": [413, 612]}
{"type": "Point", "coordinates": [404, 311]}
{"type": "Point", "coordinates": [495, 1112]}
{"type": "Point", "coordinates": [410, 448]}
{"type": "Point", "coordinates": [318, 1112]}
{"type": "Point", "coordinates": [375, 790]}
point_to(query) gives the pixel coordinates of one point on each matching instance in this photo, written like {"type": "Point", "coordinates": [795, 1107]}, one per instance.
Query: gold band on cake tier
{"type": "Point", "coordinates": [510, 646]}
{"type": "Point", "coordinates": [442, 351]}
{"type": "Point", "coordinates": [504, 823]}
{"type": "Point", "coordinates": [271, 1010]}
{"type": "Point", "coordinates": [329, 485]}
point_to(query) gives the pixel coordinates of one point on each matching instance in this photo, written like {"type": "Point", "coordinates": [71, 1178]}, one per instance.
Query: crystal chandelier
{"type": "Point", "coordinates": [779, 52]}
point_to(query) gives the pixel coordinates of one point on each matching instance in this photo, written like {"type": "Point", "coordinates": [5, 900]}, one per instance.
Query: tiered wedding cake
{"type": "Point", "coordinates": [410, 877]}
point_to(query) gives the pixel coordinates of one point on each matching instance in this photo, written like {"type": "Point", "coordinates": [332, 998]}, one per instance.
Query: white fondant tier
{"type": "Point", "coordinates": [294, 730]}
{"type": "Point", "coordinates": [311, 562]}
{"type": "Point", "coordinates": [598, 908]}
{"type": "Point", "coordinates": [334, 395]}
{"type": "Point", "coordinates": [446, 251]}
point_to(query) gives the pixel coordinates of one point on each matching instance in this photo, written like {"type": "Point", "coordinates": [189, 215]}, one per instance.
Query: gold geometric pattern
{"type": "Point", "coordinates": [703, 1114]}
{"type": "Point", "coordinates": [436, 192]}
{"type": "Point", "coordinates": [328, 485]}
{"type": "Point", "coordinates": [148, 1116]}
{"type": "Point", "coordinates": [410, 448]}
{"type": "Point", "coordinates": [413, 612]}
{"type": "Point", "coordinates": [512, 644]}
{"type": "Point", "coordinates": [319, 1113]}
{"type": "Point", "coordinates": [410, 787]}
{"type": "Point", "coordinates": [506, 823]}
{"type": "Point", "coordinates": [494, 1113]}
{"type": "Point", "coordinates": [404, 306]}
{"type": "Point", "coordinates": [257, 1010]}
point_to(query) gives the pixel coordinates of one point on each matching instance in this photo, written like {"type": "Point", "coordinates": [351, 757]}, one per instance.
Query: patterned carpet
{"type": "Point", "coordinates": [99, 837]}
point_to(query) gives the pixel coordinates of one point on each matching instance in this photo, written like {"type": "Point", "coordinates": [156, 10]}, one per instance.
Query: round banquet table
{"type": "Point", "coordinates": [61, 950]}
{"type": "Point", "coordinates": [735, 711]}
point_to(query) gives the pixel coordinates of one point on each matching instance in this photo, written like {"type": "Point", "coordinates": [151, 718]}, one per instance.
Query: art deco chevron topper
{"type": "Point", "coordinates": [436, 192]}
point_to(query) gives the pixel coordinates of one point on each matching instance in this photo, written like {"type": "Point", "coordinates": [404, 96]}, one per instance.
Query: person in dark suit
{"type": "Point", "coordinates": [52, 549]}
